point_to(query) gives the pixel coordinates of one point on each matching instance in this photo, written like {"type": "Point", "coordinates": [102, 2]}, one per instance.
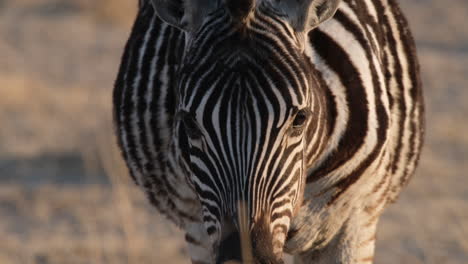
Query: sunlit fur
{"type": "Point", "coordinates": [206, 123]}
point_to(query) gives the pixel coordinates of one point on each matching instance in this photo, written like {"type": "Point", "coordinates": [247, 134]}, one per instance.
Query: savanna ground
{"type": "Point", "coordinates": [64, 193]}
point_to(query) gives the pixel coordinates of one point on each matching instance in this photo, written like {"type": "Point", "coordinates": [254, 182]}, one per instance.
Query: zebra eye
{"type": "Point", "coordinates": [191, 127]}
{"type": "Point", "coordinates": [300, 119]}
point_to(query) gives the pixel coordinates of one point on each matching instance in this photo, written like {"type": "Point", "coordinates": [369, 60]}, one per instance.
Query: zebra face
{"type": "Point", "coordinates": [243, 139]}
{"type": "Point", "coordinates": [248, 110]}
{"type": "Point", "coordinates": [244, 144]}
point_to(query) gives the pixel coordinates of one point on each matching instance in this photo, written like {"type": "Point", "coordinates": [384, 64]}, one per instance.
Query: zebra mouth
{"type": "Point", "coordinates": [257, 245]}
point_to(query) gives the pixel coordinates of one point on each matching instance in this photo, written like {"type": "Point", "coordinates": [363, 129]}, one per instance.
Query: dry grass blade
{"type": "Point", "coordinates": [244, 226]}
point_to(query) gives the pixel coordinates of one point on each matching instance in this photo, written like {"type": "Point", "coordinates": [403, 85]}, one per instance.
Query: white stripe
{"type": "Point", "coordinates": [338, 91]}
{"type": "Point", "coordinates": [357, 56]}
{"type": "Point", "coordinates": [372, 9]}
{"type": "Point", "coordinates": [406, 92]}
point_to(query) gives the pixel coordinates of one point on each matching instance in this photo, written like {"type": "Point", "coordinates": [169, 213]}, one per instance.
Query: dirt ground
{"type": "Point", "coordinates": [65, 196]}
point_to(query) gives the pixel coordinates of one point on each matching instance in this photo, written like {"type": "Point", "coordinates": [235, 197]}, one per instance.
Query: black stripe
{"type": "Point", "coordinates": [119, 87]}
{"type": "Point", "coordinates": [142, 93]}
{"type": "Point", "coordinates": [381, 118]}
{"type": "Point", "coordinates": [128, 106]}
{"type": "Point", "coordinates": [398, 75]}
{"type": "Point", "coordinates": [324, 102]}
{"type": "Point", "coordinates": [353, 137]}
{"type": "Point", "coordinates": [415, 89]}
{"type": "Point", "coordinates": [155, 109]}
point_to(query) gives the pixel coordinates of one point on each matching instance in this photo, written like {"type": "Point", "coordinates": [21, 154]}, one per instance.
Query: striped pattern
{"type": "Point", "coordinates": [299, 142]}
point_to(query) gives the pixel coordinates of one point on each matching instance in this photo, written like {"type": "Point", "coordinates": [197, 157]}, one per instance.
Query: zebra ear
{"type": "Point", "coordinates": [183, 14]}
{"type": "Point", "coordinates": [305, 15]}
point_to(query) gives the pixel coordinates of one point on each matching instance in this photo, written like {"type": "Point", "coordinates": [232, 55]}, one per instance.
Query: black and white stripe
{"type": "Point", "coordinates": [260, 117]}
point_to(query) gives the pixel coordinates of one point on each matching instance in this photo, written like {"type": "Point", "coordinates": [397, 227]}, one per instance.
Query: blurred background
{"type": "Point", "coordinates": [64, 193]}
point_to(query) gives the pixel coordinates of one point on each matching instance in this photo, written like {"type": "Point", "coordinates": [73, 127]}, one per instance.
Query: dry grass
{"type": "Point", "coordinates": [37, 112]}
{"type": "Point", "coordinates": [59, 59]}
{"type": "Point", "coordinates": [80, 225]}
{"type": "Point", "coordinates": [119, 12]}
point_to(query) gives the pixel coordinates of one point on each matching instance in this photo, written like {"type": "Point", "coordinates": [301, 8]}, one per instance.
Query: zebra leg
{"type": "Point", "coordinates": [198, 245]}
{"type": "Point", "coordinates": [354, 243]}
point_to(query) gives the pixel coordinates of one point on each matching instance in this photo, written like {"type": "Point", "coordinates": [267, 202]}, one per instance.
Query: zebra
{"type": "Point", "coordinates": [265, 127]}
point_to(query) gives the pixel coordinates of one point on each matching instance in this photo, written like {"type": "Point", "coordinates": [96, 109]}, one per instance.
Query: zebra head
{"type": "Point", "coordinates": [250, 116]}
